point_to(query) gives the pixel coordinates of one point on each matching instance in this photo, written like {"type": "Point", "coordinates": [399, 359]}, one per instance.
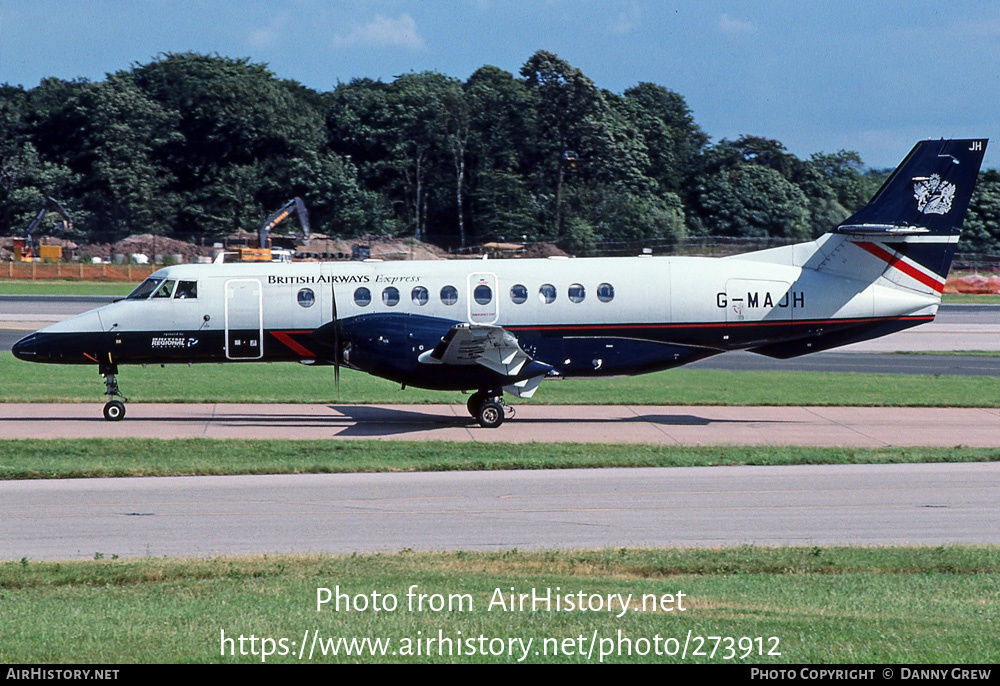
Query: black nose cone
{"type": "Point", "coordinates": [24, 349]}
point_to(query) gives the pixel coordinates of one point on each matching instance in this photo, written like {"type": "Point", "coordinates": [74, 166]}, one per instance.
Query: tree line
{"type": "Point", "coordinates": [193, 145]}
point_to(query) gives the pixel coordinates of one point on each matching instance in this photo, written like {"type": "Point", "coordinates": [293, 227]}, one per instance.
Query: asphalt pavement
{"type": "Point", "coordinates": [913, 504]}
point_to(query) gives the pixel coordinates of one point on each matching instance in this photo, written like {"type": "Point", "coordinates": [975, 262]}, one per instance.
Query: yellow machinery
{"type": "Point", "coordinates": [24, 252]}
{"type": "Point", "coordinates": [50, 253]}
{"type": "Point", "coordinates": [263, 253]}
{"type": "Point", "coordinates": [255, 254]}
{"type": "Point", "coordinates": [24, 248]}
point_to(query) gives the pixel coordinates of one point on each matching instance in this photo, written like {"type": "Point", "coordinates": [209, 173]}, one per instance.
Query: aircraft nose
{"type": "Point", "coordinates": [24, 349]}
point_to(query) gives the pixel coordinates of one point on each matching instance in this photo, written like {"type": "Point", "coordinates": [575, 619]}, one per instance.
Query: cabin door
{"type": "Point", "coordinates": [484, 301]}
{"type": "Point", "coordinates": [752, 300]}
{"type": "Point", "coordinates": [244, 321]}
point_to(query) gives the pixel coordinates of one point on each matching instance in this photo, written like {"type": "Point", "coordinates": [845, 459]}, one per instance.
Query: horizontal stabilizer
{"type": "Point", "coordinates": [885, 230]}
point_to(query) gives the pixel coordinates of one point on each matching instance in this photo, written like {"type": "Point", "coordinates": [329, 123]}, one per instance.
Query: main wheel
{"type": "Point", "coordinates": [474, 402]}
{"type": "Point", "coordinates": [490, 415]}
{"type": "Point", "coordinates": [114, 411]}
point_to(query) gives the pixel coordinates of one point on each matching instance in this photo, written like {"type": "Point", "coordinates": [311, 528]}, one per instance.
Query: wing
{"type": "Point", "coordinates": [491, 346]}
{"type": "Point", "coordinates": [494, 348]}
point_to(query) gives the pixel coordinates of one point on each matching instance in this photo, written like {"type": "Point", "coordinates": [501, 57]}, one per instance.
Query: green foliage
{"type": "Point", "coordinates": [981, 231]}
{"type": "Point", "coordinates": [673, 140]}
{"type": "Point", "coordinates": [202, 145]}
{"type": "Point", "coordinates": [753, 201]}
{"type": "Point", "coordinates": [112, 132]}
{"type": "Point", "coordinates": [614, 213]}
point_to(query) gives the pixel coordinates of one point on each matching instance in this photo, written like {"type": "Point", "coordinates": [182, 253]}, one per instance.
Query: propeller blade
{"type": "Point", "coordinates": [336, 340]}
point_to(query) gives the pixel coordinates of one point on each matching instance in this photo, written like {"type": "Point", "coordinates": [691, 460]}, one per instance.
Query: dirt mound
{"type": "Point", "coordinates": [242, 235]}
{"type": "Point", "coordinates": [323, 248]}
{"type": "Point", "coordinates": [973, 284]}
{"type": "Point", "coordinates": [150, 245]}
{"type": "Point", "coordinates": [544, 250]}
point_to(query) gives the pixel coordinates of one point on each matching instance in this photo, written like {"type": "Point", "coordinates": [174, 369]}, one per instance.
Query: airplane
{"type": "Point", "coordinates": [504, 326]}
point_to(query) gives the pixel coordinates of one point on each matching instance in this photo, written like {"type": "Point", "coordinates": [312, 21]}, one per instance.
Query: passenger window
{"type": "Point", "coordinates": [547, 293]}
{"type": "Point", "coordinates": [186, 290]}
{"type": "Point", "coordinates": [419, 296]}
{"type": "Point", "coordinates": [165, 291]}
{"type": "Point", "coordinates": [577, 293]}
{"type": "Point", "coordinates": [518, 294]}
{"type": "Point", "coordinates": [390, 296]}
{"type": "Point", "coordinates": [362, 297]}
{"type": "Point", "coordinates": [483, 294]}
{"type": "Point", "coordinates": [306, 297]}
{"type": "Point", "coordinates": [605, 292]}
{"type": "Point", "coordinates": [449, 295]}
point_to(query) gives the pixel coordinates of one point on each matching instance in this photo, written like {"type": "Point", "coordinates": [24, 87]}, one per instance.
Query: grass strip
{"type": "Point", "coordinates": [824, 604]}
{"type": "Point", "coordinates": [970, 299]}
{"type": "Point", "coordinates": [27, 287]}
{"type": "Point", "coordinates": [108, 457]}
{"type": "Point", "coordinates": [24, 382]}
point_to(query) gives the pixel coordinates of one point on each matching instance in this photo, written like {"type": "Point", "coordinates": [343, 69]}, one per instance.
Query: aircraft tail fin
{"type": "Point", "coordinates": [913, 222]}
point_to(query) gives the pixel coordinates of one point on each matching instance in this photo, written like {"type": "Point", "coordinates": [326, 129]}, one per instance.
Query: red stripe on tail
{"type": "Point", "coordinates": [897, 263]}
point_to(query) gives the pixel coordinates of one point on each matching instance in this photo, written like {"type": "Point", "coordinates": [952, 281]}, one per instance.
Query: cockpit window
{"type": "Point", "coordinates": [186, 289]}
{"type": "Point", "coordinates": [143, 290]}
{"type": "Point", "coordinates": [166, 290]}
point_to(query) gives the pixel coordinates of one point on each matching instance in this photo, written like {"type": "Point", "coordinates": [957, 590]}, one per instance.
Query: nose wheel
{"type": "Point", "coordinates": [114, 409]}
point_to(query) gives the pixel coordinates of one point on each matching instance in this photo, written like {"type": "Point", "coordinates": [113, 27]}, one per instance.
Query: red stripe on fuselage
{"type": "Point", "coordinates": [711, 325]}
{"type": "Point", "coordinates": [897, 263]}
{"type": "Point", "coordinates": [286, 338]}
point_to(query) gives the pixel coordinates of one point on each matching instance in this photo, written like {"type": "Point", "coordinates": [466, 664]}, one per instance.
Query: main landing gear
{"type": "Point", "coordinates": [488, 408]}
{"type": "Point", "coordinates": [114, 409]}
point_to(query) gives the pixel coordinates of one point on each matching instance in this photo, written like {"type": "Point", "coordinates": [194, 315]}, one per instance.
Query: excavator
{"type": "Point", "coordinates": [25, 249]}
{"type": "Point", "coordinates": [263, 253]}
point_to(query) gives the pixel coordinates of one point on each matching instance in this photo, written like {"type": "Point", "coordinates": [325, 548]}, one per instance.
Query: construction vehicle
{"type": "Point", "coordinates": [25, 249]}
{"type": "Point", "coordinates": [263, 252]}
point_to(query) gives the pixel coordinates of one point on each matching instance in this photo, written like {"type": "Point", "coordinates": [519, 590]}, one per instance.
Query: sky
{"type": "Point", "coordinates": [872, 76]}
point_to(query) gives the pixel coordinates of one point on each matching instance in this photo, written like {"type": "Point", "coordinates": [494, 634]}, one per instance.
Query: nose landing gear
{"type": "Point", "coordinates": [114, 410]}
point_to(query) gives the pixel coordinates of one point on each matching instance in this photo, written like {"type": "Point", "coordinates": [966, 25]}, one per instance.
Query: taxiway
{"type": "Point", "coordinates": [664, 425]}
{"type": "Point", "coordinates": [915, 504]}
